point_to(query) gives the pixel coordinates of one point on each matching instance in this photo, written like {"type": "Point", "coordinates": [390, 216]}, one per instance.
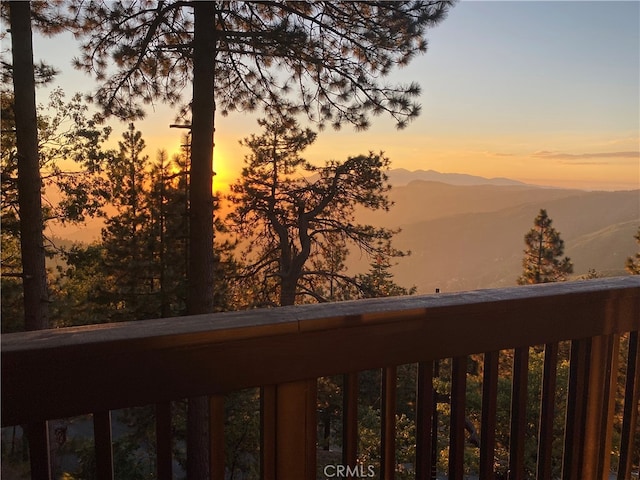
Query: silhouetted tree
{"type": "Point", "coordinates": [632, 265]}
{"type": "Point", "coordinates": [293, 212]}
{"type": "Point", "coordinates": [542, 260]}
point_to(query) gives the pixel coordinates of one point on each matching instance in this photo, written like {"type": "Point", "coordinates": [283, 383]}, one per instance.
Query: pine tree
{"type": "Point", "coordinates": [542, 262]}
{"type": "Point", "coordinates": [632, 265]}
{"type": "Point", "coordinates": [294, 213]}
{"type": "Point", "coordinates": [128, 258]}
{"type": "Point", "coordinates": [378, 282]}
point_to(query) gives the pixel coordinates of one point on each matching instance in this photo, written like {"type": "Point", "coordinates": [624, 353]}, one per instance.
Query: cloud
{"type": "Point", "coordinates": [584, 156]}
{"type": "Point", "coordinates": [592, 159]}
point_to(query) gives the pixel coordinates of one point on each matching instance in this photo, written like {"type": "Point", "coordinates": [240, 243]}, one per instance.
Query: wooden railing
{"type": "Point", "coordinates": [53, 374]}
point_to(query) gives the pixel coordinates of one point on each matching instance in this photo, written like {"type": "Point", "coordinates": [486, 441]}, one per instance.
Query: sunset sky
{"type": "Point", "coordinates": [542, 92]}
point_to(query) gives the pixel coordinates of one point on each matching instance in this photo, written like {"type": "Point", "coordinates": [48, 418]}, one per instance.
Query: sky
{"type": "Point", "coordinates": [542, 92]}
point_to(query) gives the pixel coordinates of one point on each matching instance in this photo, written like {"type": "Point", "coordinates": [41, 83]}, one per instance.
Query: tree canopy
{"type": "Point", "coordinates": [326, 59]}
{"type": "Point", "coordinates": [298, 217]}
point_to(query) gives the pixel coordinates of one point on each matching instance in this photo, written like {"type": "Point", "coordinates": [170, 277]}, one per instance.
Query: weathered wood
{"type": "Point", "coordinates": [424, 420]}
{"type": "Point", "coordinates": [488, 419]}
{"type": "Point", "coordinates": [458, 406]}
{"type": "Point", "coordinates": [631, 401]}
{"type": "Point", "coordinates": [518, 433]}
{"type": "Point", "coordinates": [388, 423]}
{"type": "Point", "coordinates": [188, 356]}
{"type": "Point", "coordinates": [547, 410]}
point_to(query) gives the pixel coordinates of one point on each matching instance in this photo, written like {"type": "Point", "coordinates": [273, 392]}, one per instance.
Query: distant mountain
{"type": "Point", "coordinates": [401, 176]}
{"type": "Point", "coordinates": [422, 200]}
{"type": "Point", "coordinates": [470, 237]}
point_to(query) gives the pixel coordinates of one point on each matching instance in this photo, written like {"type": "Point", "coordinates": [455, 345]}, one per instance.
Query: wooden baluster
{"type": "Point", "coordinates": [103, 445]}
{"type": "Point", "coordinates": [590, 408]}
{"type": "Point", "coordinates": [164, 454]}
{"type": "Point", "coordinates": [216, 433]}
{"type": "Point", "coordinates": [518, 413]}
{"type": "Point", "coordinates": [424, 419]}
{"type": "Point", "coordinates": [268, 432]}
{"type": "Point", "coordinates": [596, 458]}
{"type": "Point", "coordinates": [631, 400]}
{"type": "Point", "coordinates": [458, 405]}
{"type": "Point", "coordinates": [39, 453]}
{"type": "Point", "coordinates": [388, 427]}
{"type": "Point", "coordinates": [574, 427]}
{"type": "Point", "coordinates": [350, 419]}
{"type": "Point", "coordinates": [489, 409]}
{"type": "Point", "coordinates": [434, 425]}
{"type": "Point", "coordinates": [547, 410]}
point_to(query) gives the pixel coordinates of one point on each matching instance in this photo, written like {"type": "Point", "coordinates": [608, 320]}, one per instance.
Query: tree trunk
{"type": "Point", "coordinates": [36, 300]}
{"type": "Point", "coordinates": [288, 285]}
{"type": "Point", "coordinates": [201, 261]}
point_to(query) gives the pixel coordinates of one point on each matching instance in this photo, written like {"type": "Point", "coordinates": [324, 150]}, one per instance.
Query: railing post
{"type": "Point", "coordinates": [294, 428]}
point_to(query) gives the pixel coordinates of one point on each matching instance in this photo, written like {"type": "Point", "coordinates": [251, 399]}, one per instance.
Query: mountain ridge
{"type": "Point", "coordinates": [402, 176]}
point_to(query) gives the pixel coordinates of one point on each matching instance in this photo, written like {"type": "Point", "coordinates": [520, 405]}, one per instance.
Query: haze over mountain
{"type": "Point", "coordinates": [464, 237]}
{"type": "Point", "coordinates": [467, 232]}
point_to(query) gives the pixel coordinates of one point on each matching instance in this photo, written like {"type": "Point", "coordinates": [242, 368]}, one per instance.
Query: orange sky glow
{"type": "Point", "coordinates": [542, 92]}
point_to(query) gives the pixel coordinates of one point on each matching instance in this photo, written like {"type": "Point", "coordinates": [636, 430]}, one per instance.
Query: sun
{"type": "Point", "coordinates": [226, 167]}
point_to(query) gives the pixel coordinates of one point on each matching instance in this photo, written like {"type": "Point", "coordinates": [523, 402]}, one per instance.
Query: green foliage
{"type": "Point", "coordinates": [542, 261]}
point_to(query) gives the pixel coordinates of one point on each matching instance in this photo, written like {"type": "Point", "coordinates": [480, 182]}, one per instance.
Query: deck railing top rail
{"type": "Point", "coordinates": [137, 363]}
